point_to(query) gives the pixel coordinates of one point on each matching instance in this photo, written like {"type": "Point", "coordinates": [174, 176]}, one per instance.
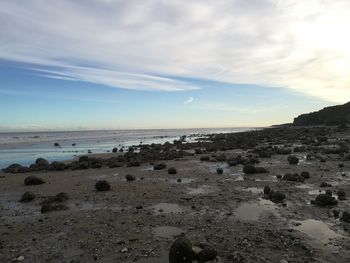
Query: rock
{"type": "Point", "coordinates": [102, 185]}
{"type": "Point", "coordinates": [159, 166]}
{"type": "Point", "coordinates": [57, 166]}
{"type": "Point", "coordinates": [219, 171]}
{"type": "Point", "coordinates": [324, 200]}
{"type": "Point", "coordinates": [205, 158]}
{"type": "Point", "coordinates": [130, 177]}
{"type": "Point", "coordinates": [41, 164]}
{"type": "Point", "coordinates": [74, 144]}
{"type": "Point", "coordinates": [324, 184]}
{"type": "Point", "coordinates": [59, 198]}
{"type": "Point", "coordinates": [20, 258]}
{"type": "Point", "coordinates": [172, 170]}
{"type": "Point", "coordinates": [46, 208]}
{"type": "Point", "coordinates": [27, 197]}
{"type": "Point", "coordinates": [206, 254]}
{"type": "Point", "coordinates": [292, 159]}
{"type": "Point", "coordinates": [133, 163]}
{"type": "Point", "coordinates": [181, 251]}
{"type": "Point", "coordinates": [276, 196]}
{"type": "Point", "coordinates": [124, 250]}
{"type": "Point", "coordinates": [267, 190]}
{"type": "Point", "coordinates": [115, 150]}
{"type": "Point", "coordinates": [95, 163]}
{"type": "Point", "coordinates": [84, 158]}
{"type": "Point", "coordinates": [33, 180]}
{"type": "Point", "coordinates": [198, 151]}
{"type": "Point", "coordinates": [305, 174]}
{"type": "Point", "coordinates": [279, 176]}
{"type": "Point", "coordinates": [293, 178]}
{"type": "Point", "coordinates": [341, 195]}
{"type": "Point", "coordinates": [335, 213]}
{"type": "Point", "coordinates": [56, 144]}
{"type": "Point", "coordinates": [345, 217]}
{"type": "Point", "coordinates": [329, 192]}
{"type": "Point", "coordinates": [114, 162]}
{"type": "Point", "coordinates": [251, 169]}
{"type": "Point", "coordinates": [179, 180]}
{"type": "Point", "coordinates": [16, 168]}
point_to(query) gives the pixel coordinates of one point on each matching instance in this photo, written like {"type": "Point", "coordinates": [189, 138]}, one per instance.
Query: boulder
{"type": "Point", "coordinates": [329, 192]}
{"type": "Point", "coordinates": [114, 162]}
{"type": "Point", "coordinates": [324, 184]}
{"type": "Point", "coordinates": [102, 185]}
{"type": "Point", "coordinates": [324, 200]}
{"type": "Point", "coordinates": [33, 180]}
{"type": "Point", "coordinates": [292, 159]}
{"type": "Point", "coordinates": [84, 158]}
{"type": "Point", "coordinates": [205, 158]}
{"type": "Point", "coordinates": [267, 190]}
{"type": "Point", "coordinates": [27, 197]}
{"type": "Point", "coordinates": [130, 177]}
{"type": "Point", "coordinates": [276, 196]}
{"type": "Point", "coordinates": [57, 166]}
{"type": "Point", "coordinates": [95, 163]}
{"type": "Point", "coordinates": [159, 166]}
{"type": "Point", "coordinates": [16, 168]}
{"type": "Point", "coordinates": [133, 163]}
{"type": "Point", "coordinates": [181, 251]}
{"type": "Point", "coordinates": [172, 170]}
{"type": "Point", "coordinates": [115, 150]}
{"type": "Point", "coordinates": [46, 208]}
{"type": "Point", "coordinates": [206, 254]}
{"type": "Point", "coordinates": [41, 164]}
{"type": "Point", "coordinates": [345, 217]}
{"type": "Point", "coordinates": [293, 178]}
{"type": "Point", "coordinates": [251, 169]}
{"type": "Point", "coordinates": [341, 195]}
{"type": "Point", "coordinates": [56, 144]}
{"type": "Point", "coordinates": [305, 174]}
{"type": "Point", "coordinates": [219, 171]}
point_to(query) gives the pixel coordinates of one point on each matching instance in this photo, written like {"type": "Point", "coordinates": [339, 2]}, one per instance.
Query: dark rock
{"type": "Point", "coordinates": [205, 158]}
{"type": "Point", "coordinates": [341, 195]}
{"type": "Point", "coordinates": [84, 159]}
{"type": "Point", "coordinates": [95, 163]}
{"type": "Point", "coordinates": [329, 192]}
{"type": "Point", "coordinates": [324, 200]}
{"type": "Point", "coordinates": [56, 144]}
{"type": "Point", "coordinates": [46, 208]}
{"type": "Point", "coordinates": [179, 180]}
{"type": "Point", "coordinates": [27, 197]}
{"type": "Point", "coordinates": [159, 166]}
{"type": "Point", "coordinates": [276, 196]}
{"type": "Point", "coordinates": [292, 159]}
{"type": "Point", "coordinates": [181, 251]}
{"type": "Point", "coordinates": [267, 190]}
{"type": "Point", "coordinates": [324, 184]}
{"type": "Point", "coordinates": [59, 198]}
{"type": "Point", "coordinates": [115, 150]}
{"type": "Point", "coordinates": [33, 180]}
{"type": "Point", "coordinates": [41, 164]}
{"type": "Point", "coordinates": [133, 163]}
{"type": "Point", "coordinates": [17, 168]}
{"type": "Point", "coordinates": [335, 213]}
{"type": "Point", "coordinates": [57, 166]}
{"type": "Point", "coordinates": [305, 174]}
{"type": "Point", "coordinates": [198, 151]}
{"type": "Point", "coordinates": [206, 254]}
{"type": "Point", "coordinates": [74, 144]}
{"type": "Point", "coordinates": [293, 178]}
{"type": "Point", "coordinates": [130, 177]}
{"type": "Point", "coordinates": [219, 171]}
{"type": "Point", "coordinates": [251, 169]}
{"type": "Point", "coordinates": [102, 185]}
{"type": "Point", "coordinates": [114, 162]}
{"type": "Point", "coordinates": [345, 217]}
{"type": "Point", "coordinates": [279, 176]}
{"type": "Point", "coordinates": [172, 170]}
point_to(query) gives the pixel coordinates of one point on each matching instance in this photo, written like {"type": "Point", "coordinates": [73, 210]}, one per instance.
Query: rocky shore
{"type": "Point", "coordinates": [273, 195]}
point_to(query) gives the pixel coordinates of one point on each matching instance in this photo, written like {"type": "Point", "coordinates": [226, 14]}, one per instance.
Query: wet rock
{"type": "Point", "coordinates": [133, 163]}
{"type": "Point", "coordinates": [324, 184]}
{"type": "Point", "coordinates": [251, 169]}
{"type": "Point", "coordinates": [219, 171]}
{"type": "Point", "coordinates": [276, 196]}
{"type": "Point", "coordinates": [102, 185]}
{"type": "Point", "coordinates": [56, 144]}
{"type": "Point", "coordinates": [130, 177]}
{"type": "Point", "coordinates": [198, 151]}
{"type": "Point", "coordinates": [57, 166]}
{"type": "Point", "coordinates": [205, 158]}
{"type": "Point", "coordinates": [292, 159]}
{"type": "Point", "coordinates": [172, 170]}
{"type": "Point", "coordinates": [27, 197]}
{"type": "Point", "coordinates": [41, 164]}
{"type": "Point", "coordinates": [329, 192]}
{"type": "Point", "coordinates": [341, 195]}
{"type": "Point", "coordinates": [336, 213]}
{"type": "Point", "coordinates": [267, 189]}
{"type": "Point", "coordinates": [84, 159]}
{"type": "Point", "coordinates": [345, 217]}
{"type": "Point", "coordinates": [279, 176]}
{"type": "Point", "coordinates": [46, 208]}
{"type": "Point", "coordinates": [305, 174]}
{"type": "Point", "coordinates": [293, 178]}
{"type": "Point", "coordinates": [179, 180]}
{"type": "Point", "coordinates": [159, 166]}
{"type": "Point", "coordinates": [114, 163]}
{"type": "Point", "coordinates": [181, 251]}
{"type": "Point", "coordinates": [324, 200]}
{"type": "Point", "coordinates": [16, 168]}
{"type": "Point", "coordinates": [74, 144]}
{"type": "Point", "coordinates": [33, 180]}
{"type": "Point", "coordinates": [95, 163]}
{"type": "Point", "coordinates": [206, 254]}
{"type": "Point", "coordinates": [115, 150]}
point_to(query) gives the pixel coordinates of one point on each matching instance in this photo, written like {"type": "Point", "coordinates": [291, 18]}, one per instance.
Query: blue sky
{"type": "Point", "coordinates": [115, 64]}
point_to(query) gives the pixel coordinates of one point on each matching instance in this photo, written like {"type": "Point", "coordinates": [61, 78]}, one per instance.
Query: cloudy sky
{"type": "Point", "coordinates": [95, 64]}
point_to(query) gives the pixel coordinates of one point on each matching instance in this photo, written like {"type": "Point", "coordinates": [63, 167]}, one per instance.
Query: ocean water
{"type": "Point", "coordinates": [25, 147]}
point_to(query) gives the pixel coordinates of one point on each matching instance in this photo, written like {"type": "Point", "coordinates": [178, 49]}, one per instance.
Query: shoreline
{"type": "Point", "coordinates": [137, 221]}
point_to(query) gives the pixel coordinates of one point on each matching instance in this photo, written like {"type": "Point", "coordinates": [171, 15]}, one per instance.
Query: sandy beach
{"type": "Point", "coordinates": [137, 221]}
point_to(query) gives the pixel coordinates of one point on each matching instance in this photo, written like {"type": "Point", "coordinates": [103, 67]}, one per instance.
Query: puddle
{"type": "Point", "coordinates": [166, 208]}
{"type": "Point", "coordinates": [167, 231]}
{"type": "Point", "coordinates": [253, 211]}
{"type": "Point", "coordinates": [254, 190]}
{"type": "Point", "coordinates": [267, 179]}
{"type": "Point", "coordinates": [183, 181]}
{"type": "Point", "coordinates": [317, 230]}
{"type": "Point", "coordinates": [239, 178]}
{"type": "Point", "coordinates": [204, 189]}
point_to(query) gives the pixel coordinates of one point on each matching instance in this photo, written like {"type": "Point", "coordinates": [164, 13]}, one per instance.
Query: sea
{"type": "Point", "coordinates": [25, 147]}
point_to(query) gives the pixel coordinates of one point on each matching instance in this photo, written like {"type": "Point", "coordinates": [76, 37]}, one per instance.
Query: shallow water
{"type": "Point", "coordinates": [168, 232]}
{"type": "Point", "coordinates": [204, 189]}
{"type": "Point", "coordinates": [253, 211]}
{"type": "Point", "coordinates": [166, 208]}
{"type": "Point", "coordinates": [317, 230]}
{"type": "Point", "coordinates": [254, 190]}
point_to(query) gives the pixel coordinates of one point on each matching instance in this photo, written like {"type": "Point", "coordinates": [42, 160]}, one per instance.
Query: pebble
{"type": "Point", "coordinates": [20, 258]}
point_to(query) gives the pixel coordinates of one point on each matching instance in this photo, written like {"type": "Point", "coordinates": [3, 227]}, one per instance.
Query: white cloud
{"type": "Point", "coordinates": [188, 100]}
{"type": "Point", "coordinates": [300, 45]}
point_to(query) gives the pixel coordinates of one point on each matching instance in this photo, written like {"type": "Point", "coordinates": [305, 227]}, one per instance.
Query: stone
{"type": "Point", "coordinates": [172, 170]}
{"type": "Point", "coordinates": [324, 200]}
{"type": "Point", "coordinates": [181, 251]}
{"type": "Point", "coordinates": [33, 180]}
{"type": "Point", "coordinates": [102, 185]}
{"type": "Point", "coordinates": [159, 166]}
{"type": "Point", "coordinates": [292, 159]}
{"type": "Point", "coordinates": [27, 197]}
{"type": "Point", "coordinates": [130, 177]}
{"type": "Point", "coordinates": [219, 171]}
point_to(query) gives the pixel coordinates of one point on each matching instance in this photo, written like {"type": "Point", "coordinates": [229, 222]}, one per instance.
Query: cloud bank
{"type": "Point", "coordinates": [150, 45]}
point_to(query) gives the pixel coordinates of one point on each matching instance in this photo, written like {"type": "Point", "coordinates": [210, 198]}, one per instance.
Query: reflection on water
{"type": "Point", "coordinates": [167, 231]}
{"type": "Point", "coordinates": [253, 211]}
{"type": "Point", "coordinates": [166, 208]}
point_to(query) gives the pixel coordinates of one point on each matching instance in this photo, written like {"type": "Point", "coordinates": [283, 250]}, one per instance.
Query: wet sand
{"type": "Point", "coordinates": [137, 221]}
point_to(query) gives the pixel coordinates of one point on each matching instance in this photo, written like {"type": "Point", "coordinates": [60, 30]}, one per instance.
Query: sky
{"type": "Point", "coordinates": [126, 64]}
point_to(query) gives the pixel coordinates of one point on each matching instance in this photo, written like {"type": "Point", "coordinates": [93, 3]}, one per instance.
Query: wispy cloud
{"type": "Point", "coordinates": [299, 45]}
{"type": "Point", "coordinates": [188, 100]}
{"type": "Point", "coordinates": [231, 108]}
